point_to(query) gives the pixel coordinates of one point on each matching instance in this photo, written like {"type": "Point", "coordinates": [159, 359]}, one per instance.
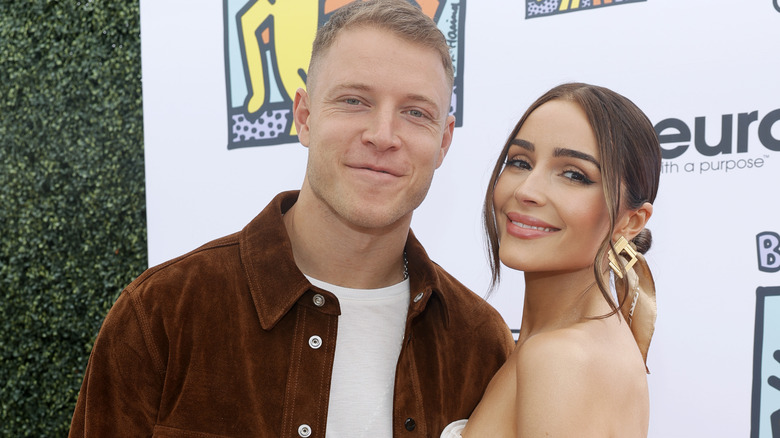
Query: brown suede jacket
{"type": "Point", "coordinates": [215, 343]}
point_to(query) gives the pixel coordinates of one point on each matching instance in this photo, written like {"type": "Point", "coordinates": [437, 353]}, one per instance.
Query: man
{"type": "Point", "coordinates": [324, 315]}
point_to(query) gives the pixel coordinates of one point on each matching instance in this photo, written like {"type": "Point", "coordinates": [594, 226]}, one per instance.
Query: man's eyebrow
{"type": "Point", "coordinates": [352, 86]}
{"type": "Point", "coordinates": [421, 98]}
{"type": "Point", "coordinates": [564, 152]}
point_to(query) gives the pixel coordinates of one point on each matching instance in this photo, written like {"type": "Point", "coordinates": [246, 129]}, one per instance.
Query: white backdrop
{"type": "Point", "coordinates": [687, 60]}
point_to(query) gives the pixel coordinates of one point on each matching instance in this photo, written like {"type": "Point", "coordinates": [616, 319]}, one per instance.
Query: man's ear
{"type": "Point", "coordinates": [301, 111]}
{"type": "Point", "coordinates": [632, 222]}
{"type": "Point", "coordinates": [446, 139]}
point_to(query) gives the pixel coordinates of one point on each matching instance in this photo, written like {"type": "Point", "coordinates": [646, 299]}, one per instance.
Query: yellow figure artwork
{"type": "Point", "coordinates": [292, 23]}
{"type": "Point", "coordinates": [286, 30]}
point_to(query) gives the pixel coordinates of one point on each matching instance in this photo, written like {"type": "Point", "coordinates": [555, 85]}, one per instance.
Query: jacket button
{"type": "Point", "coordinates": [318, 300]}
{"type": "Point", "coordinates": [304, 431]}
{"type": "Point", "coordinates": [418, 297]}
{"type": "Point", "coordinates": [315, 342]}
{"type": "Point", "coordinates": [409, 424]}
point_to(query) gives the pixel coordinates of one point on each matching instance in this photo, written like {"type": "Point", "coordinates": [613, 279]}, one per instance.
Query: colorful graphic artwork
{"type": "Point", "coordinates": [543, 8]}
{"type": "Point", "coordinates": [766, 365]}
{"type": "Point", "coordinates": [267, 51]}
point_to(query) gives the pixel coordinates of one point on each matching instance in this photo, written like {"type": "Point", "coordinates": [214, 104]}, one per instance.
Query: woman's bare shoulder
{"type": "Point", "coordinates": [566, 383]}
{"type": "Point", "coordinates": [583, 347]}
{"type": "Point", "coordinates": [571, 347]}
{"type": "Point", "coordinates": [557, 363]}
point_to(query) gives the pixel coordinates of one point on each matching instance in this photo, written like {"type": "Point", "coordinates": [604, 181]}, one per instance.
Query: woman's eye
{"type": "Point", "coordinates": [519, 163]}
{"type": "Point", "coordinates": [577, 176]}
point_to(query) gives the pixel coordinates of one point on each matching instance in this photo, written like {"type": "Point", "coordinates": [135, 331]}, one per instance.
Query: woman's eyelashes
{"type": "Point", "coordinates": [572, 174]}
{"type": "Point", "coordinates": [576, 176]}
{"type": "Point", "coordinates": [519, 163]}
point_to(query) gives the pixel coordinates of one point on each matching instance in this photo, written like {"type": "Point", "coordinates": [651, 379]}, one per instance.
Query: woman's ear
{"type": "Point", "coordinates": [631, 222]}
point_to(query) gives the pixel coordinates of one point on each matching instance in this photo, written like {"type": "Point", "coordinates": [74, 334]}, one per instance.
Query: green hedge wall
{"type": "Point", "coordinates": [72, 204]}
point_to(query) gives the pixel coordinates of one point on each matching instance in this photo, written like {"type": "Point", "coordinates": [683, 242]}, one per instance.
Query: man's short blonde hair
{"type": "Point", "coordinates": [397, 16]}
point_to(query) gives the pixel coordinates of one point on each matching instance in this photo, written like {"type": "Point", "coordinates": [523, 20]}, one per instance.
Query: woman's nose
{"type": "Point", "coordinates": [531, 189]}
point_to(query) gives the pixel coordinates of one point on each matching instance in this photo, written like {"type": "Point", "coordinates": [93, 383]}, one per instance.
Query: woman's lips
{"type": "Point", "coordinates": [528, 227]}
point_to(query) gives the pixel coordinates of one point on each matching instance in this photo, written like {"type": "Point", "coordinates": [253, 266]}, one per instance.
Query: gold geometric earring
{"type": "Point", "coordinates": [620, 246]}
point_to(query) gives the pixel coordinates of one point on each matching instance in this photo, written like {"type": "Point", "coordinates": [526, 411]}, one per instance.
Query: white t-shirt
{"type": "Point", "coordinates": [370, 333]}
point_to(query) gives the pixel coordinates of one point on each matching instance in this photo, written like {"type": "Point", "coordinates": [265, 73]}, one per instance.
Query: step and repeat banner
{"type": "Point", "coordinates": [218, 78]}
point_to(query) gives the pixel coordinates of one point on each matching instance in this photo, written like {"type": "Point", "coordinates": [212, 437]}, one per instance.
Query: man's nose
{"type": "Point", "coordinates": [382, 132]}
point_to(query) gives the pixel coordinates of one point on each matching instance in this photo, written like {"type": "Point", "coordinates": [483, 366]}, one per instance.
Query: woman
{"type": "Point", "coordinates": [567, 203]}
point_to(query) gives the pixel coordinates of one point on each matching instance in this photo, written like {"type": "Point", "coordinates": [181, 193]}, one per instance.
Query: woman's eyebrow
{"type": "Point", "coordinates": [525, 144]}
{"type": "Point", "coordinates": [558, 152]}
{"type": "Point", "coordinates": [564, 152]}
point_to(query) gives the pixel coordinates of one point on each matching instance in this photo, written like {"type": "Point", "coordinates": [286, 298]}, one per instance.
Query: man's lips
{"type": "Point", "coordinates": [377, 169]}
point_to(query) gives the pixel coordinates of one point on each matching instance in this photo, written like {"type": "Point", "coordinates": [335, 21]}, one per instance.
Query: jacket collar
{"type": "Point", "coordinates": [276, 283]}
